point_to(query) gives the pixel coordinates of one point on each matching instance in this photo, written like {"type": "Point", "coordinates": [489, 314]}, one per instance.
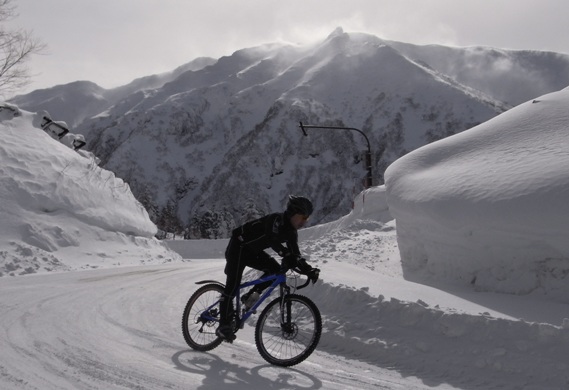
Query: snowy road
{"type": "Point", "coordinates": [120, 328]}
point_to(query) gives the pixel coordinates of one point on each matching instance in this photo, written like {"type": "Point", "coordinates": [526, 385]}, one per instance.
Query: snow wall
{"type": "Point", "coordinates": [489, 206]}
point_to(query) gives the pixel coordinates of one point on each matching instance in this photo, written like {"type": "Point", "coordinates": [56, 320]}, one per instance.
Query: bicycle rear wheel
{"type": "Point", "coordinates": [286, 337]}
{"type": "Point", "coordinates": [201, 318]}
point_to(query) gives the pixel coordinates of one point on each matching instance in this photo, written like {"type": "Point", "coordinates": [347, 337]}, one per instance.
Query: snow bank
{"type": "Point", "coordinates": [370, 313]}
{"type": "Point", "coordinates": [466, 350]}
{"type": "Point", "coordinates": [370, 206]}
{"type": "Point", "coordinates": [57, 203]}
{"type": "Point", "coordinates": [365, 237]}
{"type": "Point", "coordinates": [199, 249]}
{"type": "Point", "coordinates": [489, 206]}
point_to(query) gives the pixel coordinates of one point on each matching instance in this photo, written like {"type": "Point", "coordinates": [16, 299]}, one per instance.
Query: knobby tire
{"type": "Point", "coordinates": [200, 334]}
{"type": "Point", "coordinates": [290, 344]}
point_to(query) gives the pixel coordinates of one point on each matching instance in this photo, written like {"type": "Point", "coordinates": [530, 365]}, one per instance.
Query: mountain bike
{"type": "Point", "coordinates": [287, 330]}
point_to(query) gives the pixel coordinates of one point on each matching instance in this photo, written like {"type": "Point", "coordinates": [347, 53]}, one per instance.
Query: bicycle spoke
{"type": "Point", "coordinates": [291, 341]}
{"type": "Point", "coordinates": [201, 317]}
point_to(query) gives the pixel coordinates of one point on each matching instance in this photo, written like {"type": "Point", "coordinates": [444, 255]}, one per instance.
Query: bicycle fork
{"type": "Point", "coordinates": [288, 328]}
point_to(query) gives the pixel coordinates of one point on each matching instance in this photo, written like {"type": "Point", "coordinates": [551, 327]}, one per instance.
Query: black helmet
{"type": "Point", "coordinates": [299, 205]}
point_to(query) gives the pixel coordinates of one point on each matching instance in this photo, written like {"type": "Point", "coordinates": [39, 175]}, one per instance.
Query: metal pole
{"type": "Point", "coordinates": [368, 180]}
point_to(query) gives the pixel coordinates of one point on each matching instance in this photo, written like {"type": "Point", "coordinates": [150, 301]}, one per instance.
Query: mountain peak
{"type": "Point", "coordinates": [339, 31]}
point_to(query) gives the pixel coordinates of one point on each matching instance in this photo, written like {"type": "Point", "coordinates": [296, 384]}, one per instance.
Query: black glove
{"type": "Point", "coordinates": [293, 261]}
{"type": "Point", "coordinates": [313, 275]}
{"type": "Point", "coordinates": [306, 269]}
{"type": "Point", "coordinates": [303, 266]}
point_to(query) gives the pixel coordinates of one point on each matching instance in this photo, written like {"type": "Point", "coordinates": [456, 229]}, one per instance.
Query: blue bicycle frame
{"type": "Point", "coordinates": [278, 280]}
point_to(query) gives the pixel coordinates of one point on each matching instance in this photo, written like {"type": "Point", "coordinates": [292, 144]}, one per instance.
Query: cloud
{"type": "Point", "coordinates": [111, 42]}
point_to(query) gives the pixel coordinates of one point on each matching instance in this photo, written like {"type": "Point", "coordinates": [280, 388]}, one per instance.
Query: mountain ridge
{"type": "Point", "coordinates": [221, 144]}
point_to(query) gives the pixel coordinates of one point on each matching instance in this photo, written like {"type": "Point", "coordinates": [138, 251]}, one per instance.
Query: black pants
{"type": "Point", "coordinates": [237, 259]}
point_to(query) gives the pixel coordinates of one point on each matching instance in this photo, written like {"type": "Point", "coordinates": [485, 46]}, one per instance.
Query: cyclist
{"type": "Point", "coordinates": [247, 245]}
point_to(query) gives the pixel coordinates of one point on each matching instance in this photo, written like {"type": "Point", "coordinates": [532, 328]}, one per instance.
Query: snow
{"type": "Point", "coordinates": [112, 319]}
{"type": "Point", "coordinates": [60, 210]}
{"type": "Point", "coordinates": [489, 206]}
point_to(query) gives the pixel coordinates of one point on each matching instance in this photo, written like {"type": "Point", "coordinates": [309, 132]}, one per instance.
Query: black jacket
{"type": "Point", "coordinates": [270, 231]}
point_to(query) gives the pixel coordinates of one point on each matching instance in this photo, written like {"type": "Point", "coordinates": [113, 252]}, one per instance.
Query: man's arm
{"type": "Point", "coordinates": [272, 229]}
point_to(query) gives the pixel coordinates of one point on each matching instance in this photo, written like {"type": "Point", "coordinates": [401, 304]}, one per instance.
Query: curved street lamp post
{"type": "Point", "coordinates": [368, 179]}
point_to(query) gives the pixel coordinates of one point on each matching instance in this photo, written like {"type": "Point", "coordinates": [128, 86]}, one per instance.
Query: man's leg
{"type": "Point", "coordinates": [234, 270]}
{"type": "Point", "coordinates": [265, 263]}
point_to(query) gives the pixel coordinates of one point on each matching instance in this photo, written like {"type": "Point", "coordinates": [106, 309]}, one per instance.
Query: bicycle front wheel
{"type": "Point", "coordinates": [201, 318]}
{"type": "Point", "coordinates": [287, 334]}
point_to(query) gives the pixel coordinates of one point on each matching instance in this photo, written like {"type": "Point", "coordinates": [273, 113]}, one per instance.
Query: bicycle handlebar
{"type": "Point", "coordinates": [303, 285]}
{"type": "Point", "coordinates": [285, 269]}
{"type": "Point", "coordinates": [294, 269]}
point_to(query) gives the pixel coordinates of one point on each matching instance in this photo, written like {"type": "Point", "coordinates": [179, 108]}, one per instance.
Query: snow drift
{"type": "Point", "coordinates": [53, 198]}
{"type": "Point", "coordinates": [489, 206]}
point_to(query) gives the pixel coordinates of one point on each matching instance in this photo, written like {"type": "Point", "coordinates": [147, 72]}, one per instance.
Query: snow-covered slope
{"type": "Point", "coordinates": [120, 327]}
{"type": "Point", "coordinates": [75, 102]}
{"type": "Point", "coordinates": [512, 76]}
{"type": "Point", "coordinates": [488, 206]}
{"type": "Point", "coordinates": [60, 210]}
{"type": "Point", "coordinates": [221, 143]}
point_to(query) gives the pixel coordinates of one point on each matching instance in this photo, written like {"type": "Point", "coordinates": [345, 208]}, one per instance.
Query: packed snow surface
{"type": "Point", "coordinates": [489, 206]}
{"type": "Point", "coordinates": [119, 327]}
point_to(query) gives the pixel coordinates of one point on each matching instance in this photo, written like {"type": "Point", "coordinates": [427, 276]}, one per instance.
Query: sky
{"type": "Point", "coordinates": [116, 323]}
{"type": "Point", "coordinates": [112, 42]}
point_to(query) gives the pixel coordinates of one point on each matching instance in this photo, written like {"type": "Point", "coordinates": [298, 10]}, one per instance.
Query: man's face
{"type": "Point", "coordinates": [298, 220]}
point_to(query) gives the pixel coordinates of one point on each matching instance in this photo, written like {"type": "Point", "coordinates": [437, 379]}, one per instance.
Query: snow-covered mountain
{"type": "Point", "coordinates": [511, 76]}
{"type": "Point", "coordinates": [220, 144]}
{"type": "Point", "coordinates": [75, 102]}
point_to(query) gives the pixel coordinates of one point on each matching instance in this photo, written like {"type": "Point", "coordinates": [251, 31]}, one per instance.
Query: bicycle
{"type": "Point", "coordinates": [287, 330]}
